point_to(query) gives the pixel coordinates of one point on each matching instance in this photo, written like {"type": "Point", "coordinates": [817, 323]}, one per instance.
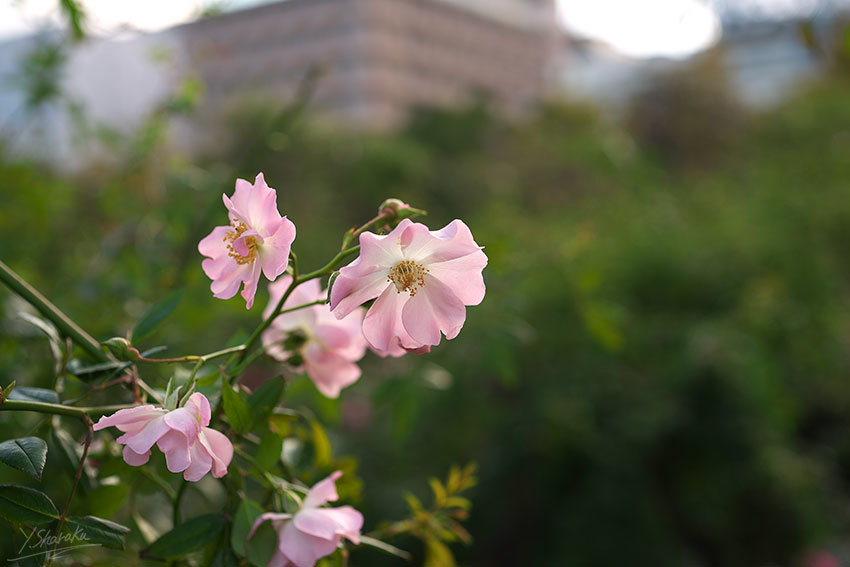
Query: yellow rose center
{"type": "Point", "coordinates": [408, 276]}
{"type": "Point", "coordinates": [239, 228]}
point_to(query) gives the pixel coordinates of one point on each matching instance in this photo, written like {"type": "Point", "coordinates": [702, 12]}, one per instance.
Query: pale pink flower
{"type": "Point", "coordinates": [189, 445]}
{"type": "Point", "coordinates": [258, 238]}
{"type": "Point", "coordinates": [312, 532]}
{"type": "Point", "coordinates": [422, 281]}
{"type": "Point", "coordinates": [331, 346]}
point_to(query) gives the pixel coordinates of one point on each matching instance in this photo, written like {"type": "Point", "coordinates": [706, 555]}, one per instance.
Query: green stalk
{"type": "Point", "coordinates": [330, 266]}
{"type": "Point", "coordinates": [58, 409]}
{"type": "Point", "coordinates": [65, 325]}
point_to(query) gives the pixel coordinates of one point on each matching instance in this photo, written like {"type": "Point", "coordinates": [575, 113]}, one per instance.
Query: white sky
{"type": "Point", "coordinates": [643, 28]}
{"type": "Point", "coordinates": [18, 17]}
{"type": "Point", "coordinates": [640, 28]}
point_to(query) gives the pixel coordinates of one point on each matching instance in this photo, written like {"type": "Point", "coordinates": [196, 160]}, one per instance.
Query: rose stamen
{"type": "Point", "coordinates": [239, 228]}
{"type": "Point", "coordinates": [408, 276]}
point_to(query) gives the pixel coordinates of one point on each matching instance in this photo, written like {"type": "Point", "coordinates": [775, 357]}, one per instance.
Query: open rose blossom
{"type": "Point", "coordinates": [422, 280]}
{"type": "Point", "coordinates": [258, 238]}
{"type": "Point", "coordinates": [189, 445]}
{"type": "Point", "coordinates": [330, 346]}
{"type": "Point", "coordinates": [312, 532]}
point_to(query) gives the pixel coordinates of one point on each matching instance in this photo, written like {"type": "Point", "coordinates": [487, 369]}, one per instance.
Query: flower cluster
{"type": "Point", "coordinates": [312, 532]}
{"type": "Point", "coordinates": [421, 282]}
{"type": "Point", "coordinates": [189, 445]}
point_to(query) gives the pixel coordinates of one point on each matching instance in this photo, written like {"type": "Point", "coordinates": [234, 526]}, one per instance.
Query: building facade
{"type": "Point", "coordinates": [376, 59]}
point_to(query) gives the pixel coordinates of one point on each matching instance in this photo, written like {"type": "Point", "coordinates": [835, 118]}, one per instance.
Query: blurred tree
{"type": "Point", "coordinates": [688, 116]}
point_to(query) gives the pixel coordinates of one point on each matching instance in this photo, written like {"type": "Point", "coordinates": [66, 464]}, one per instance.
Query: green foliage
{"type": "Point", "coordinates": [97, 530]}
{"type": "Point", "coordinates": [76, 17]}
{"type": "Point", "coordinates": [260, 547]}
{"type": "Point", "coordinates": [187, 537]}
{"type": "Point", "coordinates": [236, 408]}
{"type": "Point", "coordinates": [41, 74]}
{"type": "Point", "coordinates": [263, 401]}
{"type": "Point", "coordinates": [246, 515]}
{"type": "Point", "coordinates": [26, 505]}
{"type": "Point", "coordinates": [154, 316]}
{"type": "Point", "coordinates": [27, 454]}
{"type": "Point", "coordinates": [439, 524]}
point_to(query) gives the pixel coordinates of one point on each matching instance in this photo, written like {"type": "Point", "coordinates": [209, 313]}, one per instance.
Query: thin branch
{"type": "Point", "coordinates": [384, 546]}
{"type": "Point", "coordinates": [175, 512]}
{"type": "Point", "coordinates": [89, 433]}
{"type": "Point", "coordinates": [64, 323]}
{"type": "Point", "coordinates": [59, 409]}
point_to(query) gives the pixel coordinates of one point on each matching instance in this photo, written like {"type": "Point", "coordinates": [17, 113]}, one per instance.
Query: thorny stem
{"type": "Point", "coordinates": [89, 433]}
{"type": "Point", "coordinates": [330, 266]}
{"type": "Point", "coordinates": [64, 323]}
{"type": "Point", "coordinates": [195, 357]}
{"type": "Point", "coordinates": [382, 216]}
{"type": "Point", "coordinates": [58, 409]}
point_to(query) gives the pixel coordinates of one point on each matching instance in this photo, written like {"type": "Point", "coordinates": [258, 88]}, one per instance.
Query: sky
{"type": "Point", "coordinates": [639, 28]}
{"type": "Point", "coordinates": [644, 28]}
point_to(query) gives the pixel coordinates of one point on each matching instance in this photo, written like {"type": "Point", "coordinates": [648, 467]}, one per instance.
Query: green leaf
{"type": "Point", "coordinates": [187, 537]}
{"type": "Point", "coordinates": [207, 379]}
{"type": "Point", "coordinates": [439, 492]}
{"type": "Point", "coordinates": [281, 423]}
{"type": "Point", "coordinates": [26, 394]}
{"type": "Point", "coordinates": [413, 502]}
{"type": "Point", "coordinates": [90, 372]}
{"type": "Point", "coordinates": [97, 530]}
{"type": "Point", "coordinates": [26, 505]}
{"type": "Point", "coordinates": [5, 392]}
{"type": "Point", "coordinates": [224, 558]}
{"type": "Point", "coordinates": [106, 499]}
{"type": "Point", "coordinates": [458, 502]}
{"type": "Point", "coordinates": [246, 515]}
{"type": "Point", "coordinates": [438, 554]}
{"type": "Point", "coordinates": [260, 548]}
{"type": "Point", "coordinates": [269, 450]}
{"type": "Point", "coordinates": [145, 529]}
{"type": "Point", "coordinates": [237, 410]}
{"type": "Point", "coordinates": [321, 445]}
{"type": "Point", "coordinates": [27, 454]}
{"type": "Point", "coordinates": [154, 316]}
{"type": "Point", "coordinates": [170, 395]}
{"type": "Point", "coordinates": [264, 400]}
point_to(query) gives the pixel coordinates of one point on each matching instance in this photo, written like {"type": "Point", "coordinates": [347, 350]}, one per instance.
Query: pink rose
{"type": "Point", "coordinates": [258, 238]}
{"type": "Point", "coordinates": [331, 346]}
{"type": "Point", "coordinates": [312, 532]}
{"type": "Point", "coordinates": [189, 445]}
{"type": "Point", "coordinates": [422, 281]}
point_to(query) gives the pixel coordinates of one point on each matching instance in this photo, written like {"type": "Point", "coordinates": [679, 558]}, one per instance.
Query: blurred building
{"type": "Point", "coordinates": [765, 58]}
{"type": "Point", "coordinates": [372, 61]}
{"type": "Point", "coordinates": [376, 59]}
